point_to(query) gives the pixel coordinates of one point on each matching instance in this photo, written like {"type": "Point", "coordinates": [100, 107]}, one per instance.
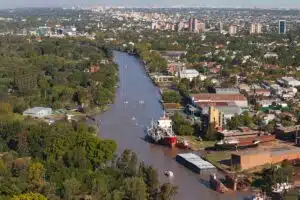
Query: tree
{"type": "Point", "coordinates": [71, 188]}
{"type": "Point", "coordinates": [5, 108]}
{"type": "Point", "coordinates": [211, 133]}
{"type": "Point", "coordinates": [36, 176]}
{"type": "Point", "coordinates": [185, 129]}
{"type": "Point", "coordinates": [181, 127]}
{"type": "Point", "coordinates": [29, 196]}
{"type": "Point", "coordinates": [271, 127]}
{"type": "Point", "coordinates": [171, 97]}
{"type": "Point", "coordinates": [167, 192]}
{"type": "Point", "coordinates": [127, 163]}
{"type": "Point", "coordinates": [150, 177]}
{"type": "Point", "coordinates": [134, 189]}
{"type": "Point", "coordinates": [22, 147]}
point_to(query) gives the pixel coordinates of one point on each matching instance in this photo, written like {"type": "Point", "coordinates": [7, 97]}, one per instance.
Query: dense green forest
{"type": "Point", "coordinates": [64, 160]}
{"type": "Point", "coordinates": [67, 161]}
{"type": "Point", "coordinates": [55, 72]}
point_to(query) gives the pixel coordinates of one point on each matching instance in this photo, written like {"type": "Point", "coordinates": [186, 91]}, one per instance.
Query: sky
{"type": "Point", "coordinates": [157, 3]}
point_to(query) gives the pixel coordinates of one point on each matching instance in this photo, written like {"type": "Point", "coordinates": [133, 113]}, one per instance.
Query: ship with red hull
{"type": "Point", "coordinates": [161, 132]}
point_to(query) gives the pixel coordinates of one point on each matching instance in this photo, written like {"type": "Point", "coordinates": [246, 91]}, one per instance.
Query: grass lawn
{"type": "Point", "coordinates": [196, 144]}
{"type": "Point", "coordinates": [217, 156]}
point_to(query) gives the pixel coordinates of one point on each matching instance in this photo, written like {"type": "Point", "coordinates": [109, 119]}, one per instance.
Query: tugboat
{"type": "Point", "coordinates": [161, 132]}
{"type": "Point", "coordinates": [216, 184]}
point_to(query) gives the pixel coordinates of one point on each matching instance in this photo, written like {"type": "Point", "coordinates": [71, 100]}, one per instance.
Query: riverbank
{"type": "Point", "coordinates": [126, 124]}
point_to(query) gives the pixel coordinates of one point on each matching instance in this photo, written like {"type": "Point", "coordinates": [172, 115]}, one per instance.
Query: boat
{"type": "Point", "coordinates": [161, 132]}
{"type": "Point", "coordinates": [258, 196]}
{"type": "Point", "coordinates": [216, 184]}
{"type": "Point", "coordinates": [169, 173]}
{"type": "Point", "coordinates": [194, 163]}
{"type": "Point", "coordinates": [183, 144]}
{"type": "Point", "coordinates": [141, 102]}
{"type": "Point", "coordinates": [233, 143]}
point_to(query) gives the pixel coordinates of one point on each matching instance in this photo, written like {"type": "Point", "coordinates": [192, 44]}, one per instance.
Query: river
{"type": "Point", "coordinates": [126, 122]}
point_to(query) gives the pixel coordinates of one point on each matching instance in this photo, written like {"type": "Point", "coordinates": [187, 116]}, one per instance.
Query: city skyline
{"type": "Point", "coordinates": [154, 3]}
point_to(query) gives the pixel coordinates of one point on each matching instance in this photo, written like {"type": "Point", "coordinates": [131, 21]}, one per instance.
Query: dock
{"type": "Point", "coordinates": [194, 163]}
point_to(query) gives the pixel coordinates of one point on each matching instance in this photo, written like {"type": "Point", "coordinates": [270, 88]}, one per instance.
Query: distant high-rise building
{"type": "Point", "coordinates": [253, 29]}
{"type": "Point", "coordinates": [193, 25]}
{"type": "Point", "coordinates": [154, 25]}
{"type": "Point", "coordinates": [256, 28]}
{"type": "Point", "coordinates": [232, 30]}
{"type": "Point", "coordinates": [282, 26]}
{"type": "Point", "coordinates": [180, 26]}
{"type": "Point", "coordinates": [220, 27]}
{"type": "Point", "coordinates": [201, 27]}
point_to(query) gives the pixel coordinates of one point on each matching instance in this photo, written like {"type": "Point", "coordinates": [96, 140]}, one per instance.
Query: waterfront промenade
{"type": "Point", "coordinates": [126, 120]}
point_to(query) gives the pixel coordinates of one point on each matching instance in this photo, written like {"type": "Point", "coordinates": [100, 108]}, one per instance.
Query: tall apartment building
{"type": "Point", "coordinates": [256, 28]}
{"type": "Point", "coordinates": [282, 26]}
{"type": "Point", "coordinates": [220, 27]}
{"type": "Point", "coordinates": [193, 25]}
{"type": "Point", "coordinates": [232, 30]}
{"type": "Point", "coordinates": [201, 27]}
{"type": "Point", "coordinates": [216, 117]}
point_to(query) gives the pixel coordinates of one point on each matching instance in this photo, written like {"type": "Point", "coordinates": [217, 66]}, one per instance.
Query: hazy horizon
{"type": "Point", "coordinates": [153, 3]}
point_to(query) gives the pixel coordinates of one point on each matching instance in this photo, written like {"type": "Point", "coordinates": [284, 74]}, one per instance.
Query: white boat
{"type": "Point", "coordinates": [133, 118]}
{"type": "Point", "coordinates": [126, 102]}
{"type": "Point", "coordinates": [141, 102]}
{"type": "Point", "coordinates": [169, 173]}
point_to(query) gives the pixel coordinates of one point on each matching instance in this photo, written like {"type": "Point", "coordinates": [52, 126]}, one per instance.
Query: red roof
{"type": "Point", "coordinates": [212, 97]}
{"type": "Point", "coordinates": [94, 68]}
{"type": "Point", "coordinates": [202, 103]}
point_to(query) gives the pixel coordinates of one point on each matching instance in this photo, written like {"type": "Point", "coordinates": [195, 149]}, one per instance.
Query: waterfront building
{"type": "Point", "coordinates": [251, 159]}
{"type": "Point", "coordinates": [216, 117]}
{"type": "Point", "coordinates": [237, 99]}
{"type": "Point", "coordinates": [189, 74]}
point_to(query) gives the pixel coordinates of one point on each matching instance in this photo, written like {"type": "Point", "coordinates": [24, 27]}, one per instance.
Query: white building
{"type": "Point", "coordinates": [290, 81]}
{"type": "Point", "coordinates": [271, 55]}
{"type": "Point", "coordinates": [232, 30]}
{"type": "Point", "coordinates": [188, 74]}
{"type": "Point", "coordinates": [39, 112]}
{"type": "Point", "coordinates": [256, 28]}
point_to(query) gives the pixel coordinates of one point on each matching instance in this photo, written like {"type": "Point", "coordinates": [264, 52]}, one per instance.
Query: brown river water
{"type": "Point", "coordinates": [126, 123]}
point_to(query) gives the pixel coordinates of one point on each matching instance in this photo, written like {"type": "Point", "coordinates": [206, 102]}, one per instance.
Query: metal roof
{"type": "Point", "coordinates": [196, 160]}
{"type": "Point", "coordinates": [35, 110]}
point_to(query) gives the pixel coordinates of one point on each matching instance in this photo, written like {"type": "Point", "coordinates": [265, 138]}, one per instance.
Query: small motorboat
{"type": "Point", "coordinates": [169, 173]}
{"type": "Point", "coordinates": [141, 102]}
{"type": "Point", "coordinates": [126, 102]}
{"type": "Point", "coordinates": [133, 118]}
{"type": "Point", "coordinates": [182, 144]}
